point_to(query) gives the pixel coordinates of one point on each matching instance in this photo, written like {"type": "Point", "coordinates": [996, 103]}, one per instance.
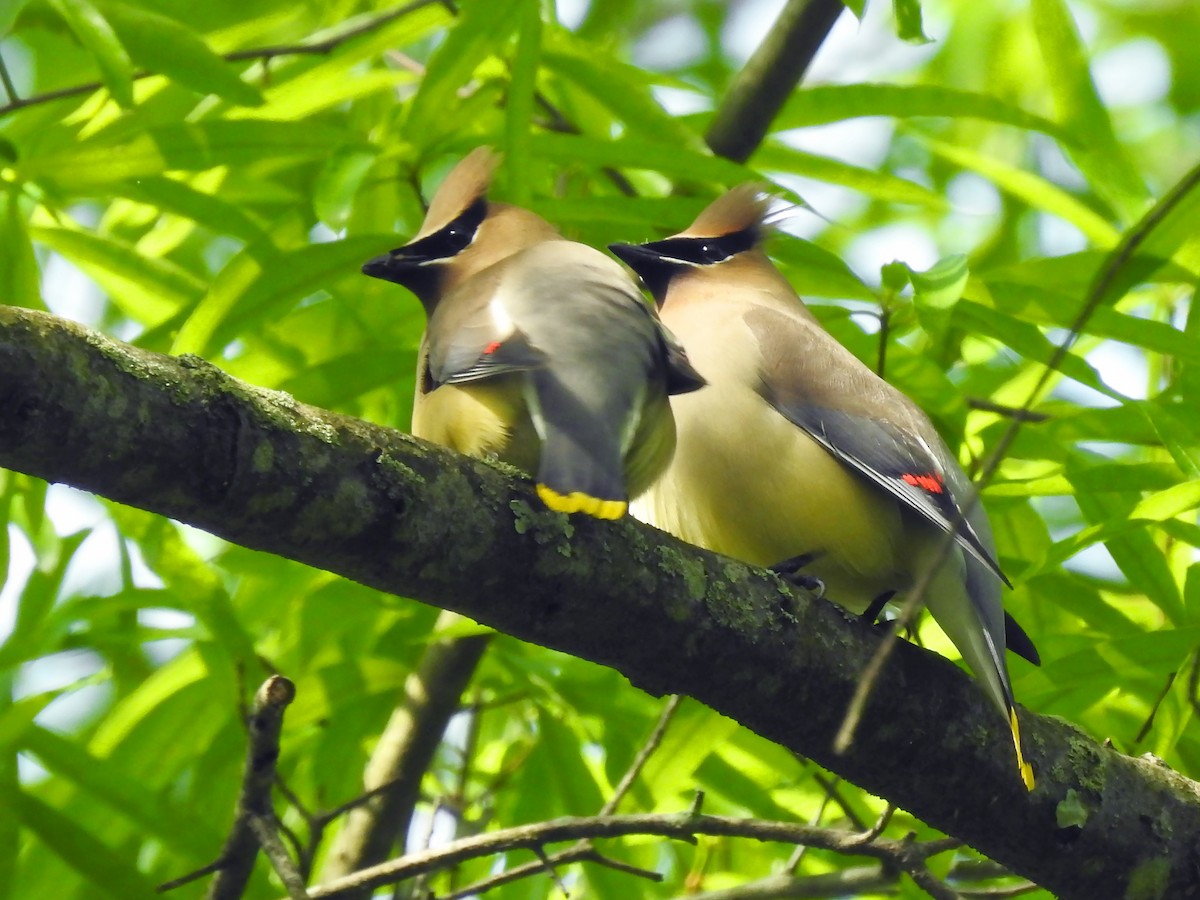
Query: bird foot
{"type": "Point", "coordinates": [789, 571]}
{"type": "Point", "coordinates": [871, 613]}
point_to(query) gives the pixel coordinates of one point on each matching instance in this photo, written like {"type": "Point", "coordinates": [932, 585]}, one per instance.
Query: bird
{"type": "Point", "coordinates": [796, 453]}
{"type": "Point", "coordinates": [538, 351]}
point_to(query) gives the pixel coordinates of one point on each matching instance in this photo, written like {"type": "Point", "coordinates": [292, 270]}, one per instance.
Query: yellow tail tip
{"type": "Point", "coordinates": [1025, 769]}
{"type": "Point", "coordinates": [577, 501]}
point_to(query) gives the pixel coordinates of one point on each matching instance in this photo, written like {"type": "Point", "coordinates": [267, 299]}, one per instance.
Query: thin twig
{"type": "Point", "coordinates": [405, 750]}
{"type": "Point", "coordinates": [830, 786]}
{"type": "Point", "coordinates": [793, 862]}
{"type": "Point", "coordinates": [581, 852]}
{"type": "Point", "coordinates": [1162, 695]}
{"type": "Point", "coordinates": [236, 861]}
{"type": "Point", "coordinates": [845, 883]}
{"type": "Point", "coordinates": [643, 755]}
{"type": "Point", "coordinates": [687, 826]}
{"type": "Point", "coordinates": [548, 868]}
{"type": "Point", "coordinates": [880, 824]}
{"type": "Point", "coordinates": [983, 404]}
{"type": "Point", "coordinates": [190, 876]}
{"type": "Point", "coordinates": [266, 830]}
{"type": "Point", "coordinates": [9, 88]}
{"type": "Point", "coordinates": [1097, 292]}
{"type": "Point", "coordinates": [885, 328]}
{"type": "Point", "coordinates": [1194, 683]}
{"type": "Point", "coordinates": [257, 53]}
{"type": "Point", "coordinates": [999, 893]}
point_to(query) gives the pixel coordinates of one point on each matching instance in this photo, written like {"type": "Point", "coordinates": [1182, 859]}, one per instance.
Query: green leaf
{"type": "Point", "coordinates": [936, 291]}
{"type": "Point", "coordinates": [773, 156]}
{"type": "Point", "coordinates": [9, 11]}
{"type": "Point", "coordinates": [1191, 593]}
{"type": "Point", "coordinates": [908, 21]}
{"type": "Point", "coordinates": [124, 791]}
{"type": "Point", "coordinates": [941, 285]}
{"type": "Point", "coordinates": [1167, 504]}
{"type": "Point", "coordinates": [36, 602]}
{"type": "Point", "coordinates": [17, 718]}
{"type": "Point", "coordinates": [1033, 304]}
{"type": "Point", "coordinates": [253, 285]}
{"type": "Point", "coordinates": [96, 34]}
{"type": "Point", "coordinates": [675, 161]}
{"type": "Point", "coordinates": [1177, 433]}
{"type": "Point", "coordinates": [615, 216]}
{"type": "Point", "coordinates": [836, 103]}
{"type": "Point", "coordinates": [1071, 274]}
{"type": "Point", "coordinates": [815, 272]}
{"type": "Point", "coordinates": [479, 29]}
{"type": "Point", "coordinates": [1029, 188]}
{"type": "Point", "coordinates": [1027, 340]}
{"type": "Point", "coordinates": [96, 163]}
{"type": "Point", "coordinates": [10, 834]}
{"type": "Point", "coordinates": [163, 45]}
{"type": "Point", "coordinates": [1094, 147]}
{"type": "Point", "coordinates": [148, 290]}
{"type": "Point", "coordinates": [340, 180]}
{"type": "Point", "coordinates": [20, 277]}
{"type": "Point", "coordinates": [184, 199]}
{"type": "Point", "coordinates": [695, 732]}
{"type": "Point", "coordinates": [522, 86]}
{"type": "Point", "coordinates": [556, 766]}
{"type": "Point", "coordinates": [111, 870]}
{"type": "Point", "coordinates": [1136, 554]}
{"type": "Point", "coordinates": [1173, 233]}
{"type": "Point", "coordinates": [618, 87]}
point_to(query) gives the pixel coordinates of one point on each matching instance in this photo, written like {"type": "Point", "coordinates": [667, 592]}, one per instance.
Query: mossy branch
{"type": "Point", "coordinates": [180, 438]}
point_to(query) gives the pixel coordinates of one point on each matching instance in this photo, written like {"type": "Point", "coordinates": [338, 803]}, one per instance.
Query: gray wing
{"type": "Point", "coordinates": [822, 388]}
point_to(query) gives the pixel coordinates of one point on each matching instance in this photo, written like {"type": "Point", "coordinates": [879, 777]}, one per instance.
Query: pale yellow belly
{"type": "Point", "coordinates": [480, 419]}
{"type": "Point", "coordinates": [491, 418]}
{"type": "Point", "coordinates": [748, 483]}
{"type": "Point", "coordinates": [754, 487]}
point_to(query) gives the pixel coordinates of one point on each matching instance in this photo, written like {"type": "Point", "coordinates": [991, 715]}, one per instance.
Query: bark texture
{"type": "Point", "coordinates": [180, 438]}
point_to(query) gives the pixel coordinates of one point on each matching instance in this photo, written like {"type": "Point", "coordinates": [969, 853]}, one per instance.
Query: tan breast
{"type": "Point", "coordinates": [746, 482]}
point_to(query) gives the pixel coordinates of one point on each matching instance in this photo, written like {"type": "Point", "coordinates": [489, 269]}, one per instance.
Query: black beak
{"type": "Point", "coordinates": [378, 267]}
{"type": "Point", "coordinates": [655, 271]}
{"type": "Point", "coordinates": [636, 256]}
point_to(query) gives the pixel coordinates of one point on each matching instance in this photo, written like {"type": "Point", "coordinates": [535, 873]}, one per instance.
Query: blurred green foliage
{"type": "Point", "coordinates": [194, 204]}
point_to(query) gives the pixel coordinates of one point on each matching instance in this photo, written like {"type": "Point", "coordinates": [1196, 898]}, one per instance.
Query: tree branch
{"type": "Point", "coordinates": [680, 826]}
{"type": "Point", "coordinates": [845, 883]}
{"type": "Point", "coordinates": [771, 74]}
{"type": "Point", "coordinates": [181, 438]}
{"type": "Point", "coordinates": [254, 803]}
{"type": "Point", "coordinates": [315, 48]}
{"type": "Point", "coordinates": [404, 752]}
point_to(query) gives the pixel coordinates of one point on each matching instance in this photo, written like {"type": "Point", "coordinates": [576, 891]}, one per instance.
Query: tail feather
{"type": "Point", "coordinates": [581, 468]}
{"type": "Point", "coordinates": [577, 501]}
{"type": "Point", "coordinates": [1023, 767]}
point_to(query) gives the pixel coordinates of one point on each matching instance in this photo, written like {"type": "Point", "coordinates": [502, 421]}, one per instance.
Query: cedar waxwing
{"type": "Point", "coordinates": [797, 450]}
{"type": "Point", "coordinates": [538, 350]}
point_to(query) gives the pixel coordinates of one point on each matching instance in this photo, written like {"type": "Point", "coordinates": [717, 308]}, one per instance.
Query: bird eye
{"type": "Point", "coordinates": [452, 239]}
{"type": "Point", "coordinates": [713, 253]}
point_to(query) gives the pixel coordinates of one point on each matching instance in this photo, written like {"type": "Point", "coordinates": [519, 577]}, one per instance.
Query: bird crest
{"type": "Point", "coordinates": [744, 207]}
{"type": "Point", "coordinates": [466, 183]}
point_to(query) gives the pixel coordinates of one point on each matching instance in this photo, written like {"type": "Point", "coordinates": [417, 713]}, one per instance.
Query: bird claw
{"type": "Point", "coordinates": [789, 571]}
{"type": "Point", "coordinates": [872, 613]}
